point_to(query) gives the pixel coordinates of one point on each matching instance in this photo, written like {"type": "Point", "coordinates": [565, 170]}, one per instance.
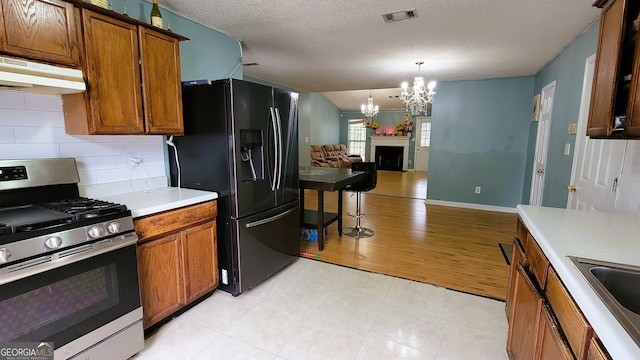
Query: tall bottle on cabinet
{"type": "Point", "coordinates": [156, 17]}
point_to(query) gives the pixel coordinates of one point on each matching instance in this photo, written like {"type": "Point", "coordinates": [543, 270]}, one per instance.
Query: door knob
{"type": "Point", "coordinates": [572, 188]}
{"type": "Point", "coordinates": [540, 171]}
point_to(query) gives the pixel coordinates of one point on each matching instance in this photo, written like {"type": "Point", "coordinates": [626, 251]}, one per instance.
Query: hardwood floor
{"type": "Point", "coordinates": [450, 247]}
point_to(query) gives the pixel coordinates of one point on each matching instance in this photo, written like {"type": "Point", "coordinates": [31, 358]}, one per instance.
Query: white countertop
{"type": "Point", "coordinates": [162, 199]}
{"type": "Point", "coordinates": [593, 235]}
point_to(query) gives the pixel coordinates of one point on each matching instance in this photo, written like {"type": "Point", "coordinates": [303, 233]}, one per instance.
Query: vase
{"type": "Point", "coordinates": [400, 133]}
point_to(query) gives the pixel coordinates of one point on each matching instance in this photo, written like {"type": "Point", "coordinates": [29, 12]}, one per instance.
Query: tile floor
{"type": "Point", "coordinates": [315, 310]}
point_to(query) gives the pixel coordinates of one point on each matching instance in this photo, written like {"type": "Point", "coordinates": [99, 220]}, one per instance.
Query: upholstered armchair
{"type": "Point", "coordinates": [340, 152]}
{"type": "Point", "coordinates": [318, 158]}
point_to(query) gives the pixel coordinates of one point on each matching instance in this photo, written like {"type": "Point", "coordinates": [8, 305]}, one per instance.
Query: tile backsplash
{"type": "Point", "coordinates": [32, 126]}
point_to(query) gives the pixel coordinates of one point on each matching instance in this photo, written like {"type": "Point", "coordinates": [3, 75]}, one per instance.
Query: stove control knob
{"type": "Point", "coordinates": [53, 242]}
{"type": "Point", "coordinates": [113, 227]}
{"type": "Point", "coordinates": [96, 232]}
{"type": "Point", "coordinates": [5, 255]}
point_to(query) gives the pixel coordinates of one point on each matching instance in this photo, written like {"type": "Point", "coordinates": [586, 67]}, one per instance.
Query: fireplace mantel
{"type": "Point", "coordinates": [400, 141]}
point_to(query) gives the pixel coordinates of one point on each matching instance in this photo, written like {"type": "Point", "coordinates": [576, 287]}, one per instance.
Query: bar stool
{"type": "Point", "coordinates": [367, 184]}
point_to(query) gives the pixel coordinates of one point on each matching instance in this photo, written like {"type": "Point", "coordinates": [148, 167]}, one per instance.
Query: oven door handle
{"type": "Point", "coordinates": [45, 263]}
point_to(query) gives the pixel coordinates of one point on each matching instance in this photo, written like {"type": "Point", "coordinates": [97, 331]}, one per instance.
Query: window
{"type": "Point", "coordinates": [425, 133]}
{"type": "Point", "coordinates": [357, 137]}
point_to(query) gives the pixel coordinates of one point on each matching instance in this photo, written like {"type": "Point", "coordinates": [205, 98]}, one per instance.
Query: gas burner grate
{"type": "Point", "coordinates": [84, 208]}
{"type": "Point", "coordinates": [43, 225]}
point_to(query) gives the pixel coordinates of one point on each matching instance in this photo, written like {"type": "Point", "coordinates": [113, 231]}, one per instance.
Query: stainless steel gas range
{"type": "Point", "coordinates": [68, 269]}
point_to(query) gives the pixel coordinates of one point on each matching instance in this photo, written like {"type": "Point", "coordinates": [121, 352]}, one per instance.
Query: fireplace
{"type": "Point", "coordinates": [389, 157]}
{"type": "Point", "coordinates": [390, 152]}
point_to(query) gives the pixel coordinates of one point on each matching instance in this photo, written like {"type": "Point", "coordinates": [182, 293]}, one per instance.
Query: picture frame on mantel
{"type": "Point", "coordinates": [535, 108]}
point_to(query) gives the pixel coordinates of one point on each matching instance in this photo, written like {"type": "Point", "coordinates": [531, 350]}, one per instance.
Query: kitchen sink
{"type": "Point", "coordinates": [618, 286]}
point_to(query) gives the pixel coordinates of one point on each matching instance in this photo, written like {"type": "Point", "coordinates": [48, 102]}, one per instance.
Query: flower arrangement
{"type": "Point", "coordinates": [407, 126]}
{"type": "Point", "coordinates": [404, 127]}
{"type": "Point", "coordinates": [373, 125]}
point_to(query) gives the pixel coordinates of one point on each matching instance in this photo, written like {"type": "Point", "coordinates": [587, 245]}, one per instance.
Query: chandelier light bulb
{"type": "Point", "coordinates": [417, 99]}
{"type": "Point", "coordinates": [369, 110]}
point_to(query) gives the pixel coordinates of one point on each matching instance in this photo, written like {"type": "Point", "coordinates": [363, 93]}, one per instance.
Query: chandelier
{"type": "Point", "coordinates": [417, 99]}
{"type": "Point", "coordinates": [369, 111]}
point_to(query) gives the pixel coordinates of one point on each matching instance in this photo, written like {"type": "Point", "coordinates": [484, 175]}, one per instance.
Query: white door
{"type": "Point", "coordinates": [423, 141]}
{"type": "Point", "coordinates": [597, 164]}
{"type": "Point", "coordinates": [542, 144]}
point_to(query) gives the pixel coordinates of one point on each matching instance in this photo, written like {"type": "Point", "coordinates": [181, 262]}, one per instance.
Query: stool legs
{"type": "Point", "coordinates": [358, 231]}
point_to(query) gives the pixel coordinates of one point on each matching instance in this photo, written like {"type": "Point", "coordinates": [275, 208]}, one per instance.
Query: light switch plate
{"type": "Point", "coordinates": [573, 128]}
{"type": "Point", "coordinates": [567, 149]}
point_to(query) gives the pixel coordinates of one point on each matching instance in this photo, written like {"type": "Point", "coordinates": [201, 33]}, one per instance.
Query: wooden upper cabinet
{"type": "Point", "coordinates": [113, 75]}
{"type": "Point", "coordinates": [45, 30]}
{"type": "Point", "coordinates": [615, 106]}
{"type": "Point", "coordinates": [133, 79]}
{"type": "Point", "coordinates": [161, 82]}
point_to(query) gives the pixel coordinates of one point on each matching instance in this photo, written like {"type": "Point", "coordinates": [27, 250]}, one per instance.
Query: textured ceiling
{"type": "Point", "coordinates": [336, 45]}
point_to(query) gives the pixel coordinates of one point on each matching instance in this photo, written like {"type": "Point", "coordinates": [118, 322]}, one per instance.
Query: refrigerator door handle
{"type": "Point", "coordinates": [279, 127]}
{"type": "Point", "coordinates": [275, 148]}
{"type": "Point", "coordinates": [269, 219]}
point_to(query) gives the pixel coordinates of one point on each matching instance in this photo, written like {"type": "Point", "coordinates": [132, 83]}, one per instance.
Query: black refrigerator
{"type": "Point", "coordinates": [241, 141]}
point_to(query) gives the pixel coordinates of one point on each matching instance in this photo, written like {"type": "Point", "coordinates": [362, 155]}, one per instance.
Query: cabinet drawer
{"type": "Point", "coordinates": [573, 323]}
{"type": "Point", "coordinates": [522, 232]}
{"type": "Point", "coordinates": [538, 263]}
{"type": "Point", "coordinates": [156, 225]}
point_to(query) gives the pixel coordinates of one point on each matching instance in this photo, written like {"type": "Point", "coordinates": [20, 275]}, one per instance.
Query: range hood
{"type": "Point", "coordinates": [16, 74]}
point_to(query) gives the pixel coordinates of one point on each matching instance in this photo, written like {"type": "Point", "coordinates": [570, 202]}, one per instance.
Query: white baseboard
{"type": "Point", "coordinates": [471, 206]}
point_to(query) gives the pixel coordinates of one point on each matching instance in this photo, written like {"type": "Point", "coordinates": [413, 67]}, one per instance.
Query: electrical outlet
{"type": "Point", "coordinates": [134, 160]}
{"type": "Point", "coordinates": [478, 188]}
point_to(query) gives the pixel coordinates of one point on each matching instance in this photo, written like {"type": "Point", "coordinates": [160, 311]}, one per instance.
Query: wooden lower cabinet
{"type": "Point", "coordinates": [596, 351]}
{"type": "Point", "coordinates": [200, 264]}
{"type": "Point", "coordinates": [544, 320]}
{"type": "Point", "coordinates": [161, 281]}
{"type": "Point", "coordinates": [551, 345]}
{"type": "Point", "coordinates": [177, 260]}
{"type": "Point", "coordinates": [517, 257]}
{"type": "Point", "coordinates": [525, 315]}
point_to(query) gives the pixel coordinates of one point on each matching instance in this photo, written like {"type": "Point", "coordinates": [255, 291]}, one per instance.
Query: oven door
{"type": "Point", "coordinates": [76, 301]}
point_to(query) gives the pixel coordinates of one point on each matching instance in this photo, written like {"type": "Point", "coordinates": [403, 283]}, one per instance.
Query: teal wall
{"type": "Point", "coordinates": [479, 137]}
{"type": "Point", "coordinates": [208, 54]}
{"type": "Point", "coordinates": [386, 119]}
{"type": "Point", "coordinates": [568, 71]}
{"type": "Point", "coordinates": [325, 121]}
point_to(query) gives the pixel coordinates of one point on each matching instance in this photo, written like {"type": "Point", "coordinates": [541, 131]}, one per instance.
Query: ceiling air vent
{"type": "Point", "coordinates": [400, 15]}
